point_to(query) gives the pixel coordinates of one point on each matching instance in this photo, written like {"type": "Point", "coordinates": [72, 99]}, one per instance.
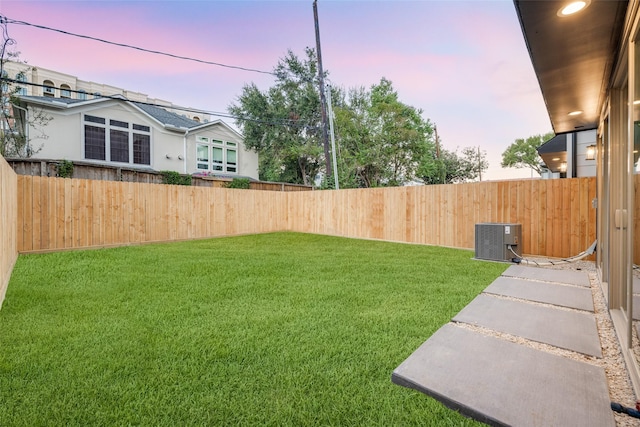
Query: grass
{"type": "Point", "coordinates": [274, 329]}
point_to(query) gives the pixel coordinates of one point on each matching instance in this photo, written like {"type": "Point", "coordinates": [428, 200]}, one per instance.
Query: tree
{"type": "Point", "coordinates": [523, 153]}
{"type": "Point", "coordinates": [382, 140]}
{"type": "Point", "coordinates": [452, 167]}
{"type": "Point", "coordinates": [283, 123]}
{"type": "Point", "coordinates": [14, 120]}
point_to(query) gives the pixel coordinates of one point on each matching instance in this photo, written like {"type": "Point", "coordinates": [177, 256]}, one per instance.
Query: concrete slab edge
{"type": "Point", "coordinates": [449, 403]}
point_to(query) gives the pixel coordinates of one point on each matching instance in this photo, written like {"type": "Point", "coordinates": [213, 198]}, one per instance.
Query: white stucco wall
{"type": "Point", "coordinates": [63, 138]}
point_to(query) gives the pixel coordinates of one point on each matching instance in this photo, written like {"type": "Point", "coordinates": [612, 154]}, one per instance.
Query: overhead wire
{"type": "Point", "coordinates": [6, 20]}
{"type": "Point", "coordinates": [287, 122]}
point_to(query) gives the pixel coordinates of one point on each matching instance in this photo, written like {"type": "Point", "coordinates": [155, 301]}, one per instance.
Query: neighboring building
{"type": "Point", "coordinates": [570, 155]}
{"type": "Point", "coordinates": [104, 124]}
{"type": "Point", "coordinates": [116, 131]}
{"type": "Point", "coordinates": [43, 82]}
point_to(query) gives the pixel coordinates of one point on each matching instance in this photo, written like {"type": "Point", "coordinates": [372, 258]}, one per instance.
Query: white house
{"type": "Point", "coordinates": [117, 131]}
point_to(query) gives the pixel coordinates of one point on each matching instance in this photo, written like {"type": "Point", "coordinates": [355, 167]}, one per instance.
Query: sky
{"type": "Point", "coordinates": [463, 63]}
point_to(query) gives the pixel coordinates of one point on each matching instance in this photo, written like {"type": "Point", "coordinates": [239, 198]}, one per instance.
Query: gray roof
{"type": "Point", "coordinates": [163, 116]}
{"type": "Point", "coordinates": [167, 117]}
{"type": "Point", "coordinates": [51, 100]}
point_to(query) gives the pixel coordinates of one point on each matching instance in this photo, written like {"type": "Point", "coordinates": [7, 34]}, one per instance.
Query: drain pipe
{"type": "Point", "coordinates": [520, 260]}
{"type": "Point", "coordinates": [184, 151]}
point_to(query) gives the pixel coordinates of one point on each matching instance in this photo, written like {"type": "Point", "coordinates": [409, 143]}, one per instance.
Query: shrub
{"type": "Point", "coordinates": [175, 178]}
{"type": "Point", "coordinates": [65, 168]}
{"type": "Point", "coordinates": [243, 183]}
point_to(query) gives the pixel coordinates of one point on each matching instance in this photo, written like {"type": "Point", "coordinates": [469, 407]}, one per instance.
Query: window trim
{"type": "Point", "coordinates": [65, 91]}
{"type": "Point", "coordinates": [139, 140]}
{"type": "Point", "coordinates": [225, 166]}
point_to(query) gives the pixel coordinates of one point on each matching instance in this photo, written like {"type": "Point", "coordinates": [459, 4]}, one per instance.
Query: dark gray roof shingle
{"type": "Point", "coordinates": [163, 116]}
{"type": "Point", "coordinates": [167, 117]}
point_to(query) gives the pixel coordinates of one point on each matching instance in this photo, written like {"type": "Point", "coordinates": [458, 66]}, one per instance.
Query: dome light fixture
{"type": "Point", "coordinates": [573, 7]}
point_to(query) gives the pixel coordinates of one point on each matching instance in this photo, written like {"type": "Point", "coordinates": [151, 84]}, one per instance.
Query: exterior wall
{"type": "Point", "coordinates": [62, 138]}
{"type": "Point", "coordinates": [38, 75]}
{"type": "Point", "coordinates": [577, 164]}
{"type": "Point", "coordinates": [585, 167]}
{"type": "Point", "coordinates": [59, 139]}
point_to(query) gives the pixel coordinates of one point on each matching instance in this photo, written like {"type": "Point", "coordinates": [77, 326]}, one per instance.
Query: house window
{"type": "Point", "coordinates": [82, 95]}
{"type": "Point", "coordinates": [216, 156]}
{"type": "Point", "coordinates": [21, 78]}
{"type": "Point", "coordinates": [94, 142]}
{"type": "Point", "coordinates": [141, 149]}
{"type": "Point", "coordinates": [232, 157]}
{"type": "Point", "coordinates": [65, 91]}
{"type": "Point", "coordinates": [119, 143]}
{"type": "Point", "coordinates": [217, 161]}
{"type": "Point", "coordinates": [202, 157]}
{"type": "Point", "coordinates": [123, 143]}
{"type": "Point", "coordinates": [49, 88]}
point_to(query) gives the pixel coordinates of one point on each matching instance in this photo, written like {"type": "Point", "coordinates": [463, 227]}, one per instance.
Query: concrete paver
{"type": "Point", "coordinates": [503, 383]}
{"type": "Point", "coordinates": [578, 278]}
{"type": "Point", "coordinates": [576, 297]}
{"type": "Point", "coordinates": [571, 330]}
{"type": "Point", "coordinates": [500, 382]}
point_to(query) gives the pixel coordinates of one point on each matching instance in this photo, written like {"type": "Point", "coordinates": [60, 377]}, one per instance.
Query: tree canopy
{"type": "Point", "coordinates": [451, 167]}
{"type": "Point", "coordinates": [523, 153]}
{"type": "Point", "coordinates": [380, 141]}
{"type": "Point", "coordinates": [283, 123]}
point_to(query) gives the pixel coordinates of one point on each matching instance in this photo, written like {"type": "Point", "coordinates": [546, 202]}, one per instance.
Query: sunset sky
{"type": "Point", "coordinates": [464, 63]}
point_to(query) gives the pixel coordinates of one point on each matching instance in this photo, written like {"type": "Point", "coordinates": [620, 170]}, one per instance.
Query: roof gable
{"type": "Point", "coordinates": [162, 116]}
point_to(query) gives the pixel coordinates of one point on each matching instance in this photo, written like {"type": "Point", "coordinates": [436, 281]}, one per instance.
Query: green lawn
{"type": "Point", "coordinates": [273, 329]}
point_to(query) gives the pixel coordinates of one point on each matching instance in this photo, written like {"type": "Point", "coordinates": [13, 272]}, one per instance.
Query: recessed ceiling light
{"type": "Point", "coordinates": [573, 7]}
{"type": "Point", "coordinates": [555, 159]}
{"type": "Point", "coordinates": [636, 102]}
{"type": "Point", "coordinates": [575, 113]}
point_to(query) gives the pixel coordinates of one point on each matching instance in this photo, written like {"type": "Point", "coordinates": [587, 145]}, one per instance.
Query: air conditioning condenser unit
{"type": "Point", "coordinates": [498, 242]}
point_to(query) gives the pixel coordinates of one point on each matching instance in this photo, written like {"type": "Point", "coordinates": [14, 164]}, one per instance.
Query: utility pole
{"type": "Point", "coordinates": [479, 165]}
{"type": "Point", "coordinates": [441, 170]}
{"type": "Point", "coordinates": [333, 140]}
{"type": "Point", "coordinates": [323, 100]}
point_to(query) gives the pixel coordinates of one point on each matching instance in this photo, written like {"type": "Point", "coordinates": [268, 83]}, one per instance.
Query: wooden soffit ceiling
{"type": "Point", "coordinates": [572, 56]}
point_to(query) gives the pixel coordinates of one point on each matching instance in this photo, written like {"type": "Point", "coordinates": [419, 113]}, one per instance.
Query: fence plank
{"type": "Point", "coordinates": [58, 213]}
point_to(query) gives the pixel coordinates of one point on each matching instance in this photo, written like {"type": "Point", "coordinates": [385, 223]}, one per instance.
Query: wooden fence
{"type": "Point", "coordinates": [557, 216]}
{"type": "Point", "coordinates": [8, 224]}
{"type": "Point", "coordinates": [88, 170]}
{"type": "Point", "coordinates": [58, 213]}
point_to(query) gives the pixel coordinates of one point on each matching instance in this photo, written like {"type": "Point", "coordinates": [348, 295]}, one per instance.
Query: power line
{"type": "Point", "coordinates": [284, 122]}
{"type": "Point", "coordinates": [5, 20]}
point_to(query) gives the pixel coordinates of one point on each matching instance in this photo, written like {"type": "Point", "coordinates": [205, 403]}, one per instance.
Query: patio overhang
{"type": "Point", "coordinates": [572, 57]}
{"type": "Point", "coordinates": [554, 152]}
